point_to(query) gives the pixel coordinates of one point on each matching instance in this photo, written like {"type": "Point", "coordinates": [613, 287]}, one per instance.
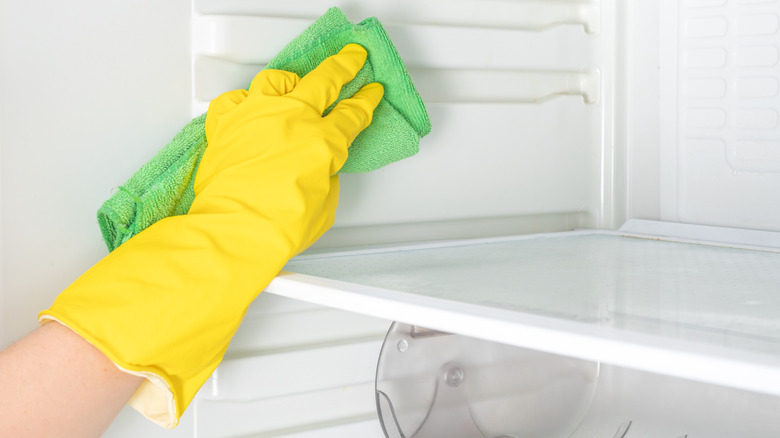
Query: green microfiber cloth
{"type": "Point", "coordinates": [164, 186]}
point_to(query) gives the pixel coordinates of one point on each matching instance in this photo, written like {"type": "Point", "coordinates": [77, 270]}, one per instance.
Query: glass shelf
{"type": "Point", "coordinates": [706, 312]}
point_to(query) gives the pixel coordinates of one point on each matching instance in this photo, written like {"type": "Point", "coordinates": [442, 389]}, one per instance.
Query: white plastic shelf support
{"type": "Point", "coordinates": [487, 70]}
{"type": "Point", "coordinates": [527, 14]}
{"type": "Point", "coordinates": [697, 310]}
{"type": "Point", "coordinates": [228, 50]}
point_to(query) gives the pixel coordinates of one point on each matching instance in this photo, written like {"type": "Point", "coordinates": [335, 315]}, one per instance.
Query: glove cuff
{"type": "Point", "coordinates": [153, 399]}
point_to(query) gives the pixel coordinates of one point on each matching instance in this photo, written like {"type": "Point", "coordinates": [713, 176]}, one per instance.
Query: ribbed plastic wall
{"type": "Point", "coordinates": [513, 90]}
{"type": "Point", "coordinates": [720, 103]}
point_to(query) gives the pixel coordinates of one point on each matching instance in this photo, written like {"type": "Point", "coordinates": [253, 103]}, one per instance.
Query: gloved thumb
{"type": "Point", "coordinates": [221, 105]}
{"type": "Point", "coordinates": [274, 82]}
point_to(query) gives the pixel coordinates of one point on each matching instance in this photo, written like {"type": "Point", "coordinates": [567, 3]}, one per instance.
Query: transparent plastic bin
{"type": "Point", "coordinates": [435, 384]}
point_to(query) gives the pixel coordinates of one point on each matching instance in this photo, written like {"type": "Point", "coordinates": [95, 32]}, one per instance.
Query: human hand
{"type": "Point", "coordinates": [165, 304]}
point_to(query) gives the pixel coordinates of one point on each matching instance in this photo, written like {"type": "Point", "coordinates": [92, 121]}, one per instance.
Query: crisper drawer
{"type": "Point", "coordinates": [681, 335]}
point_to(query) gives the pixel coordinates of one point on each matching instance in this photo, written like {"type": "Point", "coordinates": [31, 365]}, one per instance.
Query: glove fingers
{"type": "Point", "coordinates": [274, 82]}
{"type": "Point", "coordinates": [222, 104]}
{"type": "Point", "coordinates": [354, 114]}
{"type": "Point", "coordinates": [321, 86]}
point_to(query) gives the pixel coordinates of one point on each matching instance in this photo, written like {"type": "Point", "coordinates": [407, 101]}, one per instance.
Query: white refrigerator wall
{"type": "Point", "coordinates": [547, 116]}
{"type": "Point", "coordinates": [502, 151]}
{"type": "Point", "coordinates": [90, 90]}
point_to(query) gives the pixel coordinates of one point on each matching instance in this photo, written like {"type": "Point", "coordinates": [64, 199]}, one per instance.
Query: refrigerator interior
{"type": "Point", "coordinates": [548, 116]}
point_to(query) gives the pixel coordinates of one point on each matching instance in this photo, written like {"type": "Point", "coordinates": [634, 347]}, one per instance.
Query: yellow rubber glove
{"type": "Point", "coordinates": [166, 303]}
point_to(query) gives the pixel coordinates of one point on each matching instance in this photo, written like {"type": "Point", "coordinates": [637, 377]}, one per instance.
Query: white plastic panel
{"type": "Point", "coordinates": [514, 91]}
{"type": "Point", "coordinates": [689, 310]}
{"type": "Point", "coordinates": [721, 151]}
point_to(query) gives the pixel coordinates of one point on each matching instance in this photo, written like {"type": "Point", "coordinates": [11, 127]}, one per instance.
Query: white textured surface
{"type": "Point", "coordinates": [721, 165]}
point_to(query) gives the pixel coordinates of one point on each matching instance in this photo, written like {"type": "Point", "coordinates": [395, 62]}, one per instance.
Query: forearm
{"type": "Point", "coordinates": [54, 383]}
